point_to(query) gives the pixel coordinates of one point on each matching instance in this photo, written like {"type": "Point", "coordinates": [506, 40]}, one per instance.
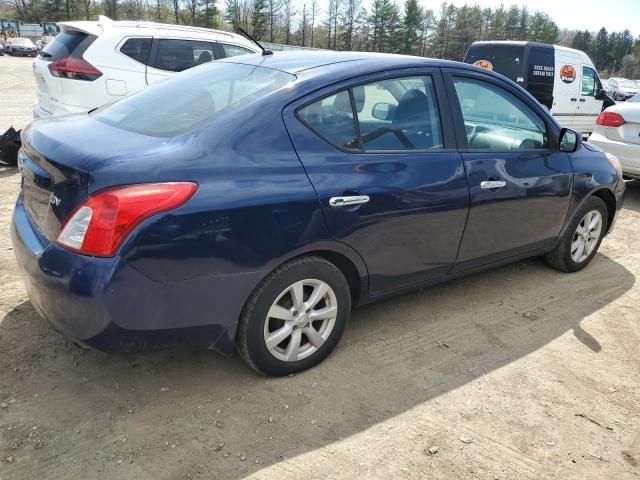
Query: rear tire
{"type": "Point", "coordinates": [582, 238]}
{"type": "Point", "coordinates": [295, 317]}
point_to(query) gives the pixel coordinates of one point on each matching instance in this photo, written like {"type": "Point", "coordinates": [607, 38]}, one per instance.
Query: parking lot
{"type": "Point", "coordinates": [515, 373]}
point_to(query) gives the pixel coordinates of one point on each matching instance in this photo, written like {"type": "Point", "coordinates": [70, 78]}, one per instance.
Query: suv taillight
{"type": "Point", "coordinates": [74, 68]}
{"type": "Point", "coordinates": [610, 119]}
{"type": "Point", "coordinates": [102, 222]}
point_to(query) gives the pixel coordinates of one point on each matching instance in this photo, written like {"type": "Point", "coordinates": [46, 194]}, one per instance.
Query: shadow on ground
{"type": "Point", "coordinates": [164, 414]}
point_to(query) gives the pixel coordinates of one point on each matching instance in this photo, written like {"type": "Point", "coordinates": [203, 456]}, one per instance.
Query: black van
{"type": "Point", "coordinates": [560, 78]}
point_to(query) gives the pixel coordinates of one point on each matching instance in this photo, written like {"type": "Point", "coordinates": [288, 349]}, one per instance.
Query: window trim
{"type": "Point", "coordinates": [420, 72]}
{"type": "Point", "coordinates": [224, 53]}
{"type": "Point", "coordinates": [458, 118]}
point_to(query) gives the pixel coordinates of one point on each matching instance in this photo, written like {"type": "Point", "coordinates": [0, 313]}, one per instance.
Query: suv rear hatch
{"type": "Point", "coordinates": [71, 42]}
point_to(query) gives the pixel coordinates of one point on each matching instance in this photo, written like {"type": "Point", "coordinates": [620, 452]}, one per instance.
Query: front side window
{"type": "Point", "coordinates": [495, 119]}
{"type": "Point", "coordinates": [234, 50]}
{"type": "Point", "coordinates": [179, 55]}
{"type": "Point", "coordinates": [397, 114]}
{"type": "Point", "coordinates": [588, 82]}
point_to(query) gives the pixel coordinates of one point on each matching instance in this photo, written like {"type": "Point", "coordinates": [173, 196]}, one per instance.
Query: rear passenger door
{"type": "Point", "coordinates": [566, 90]}
{"type": "Point", "coordinates": [170, 56]}
{"type": "Point", "coordinates": [380, 153]}
{"type": "Point", "coordinates": [519, 181]}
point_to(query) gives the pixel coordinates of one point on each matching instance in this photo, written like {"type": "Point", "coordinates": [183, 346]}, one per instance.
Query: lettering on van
{"type": "Point", "coordinates": [486, 64]}
{"type": "Point", "coordinates": [543, 71]}
{"type": "Point", "coordinates": [568, 74]}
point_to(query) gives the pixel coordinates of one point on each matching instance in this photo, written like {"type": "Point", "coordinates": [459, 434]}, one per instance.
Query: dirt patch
{"type": "Point", "coordinates": [519, 372]}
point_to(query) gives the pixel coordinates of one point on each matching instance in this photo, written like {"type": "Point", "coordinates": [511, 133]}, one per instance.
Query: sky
{"type": "Point", "coordinates": [614, 15]}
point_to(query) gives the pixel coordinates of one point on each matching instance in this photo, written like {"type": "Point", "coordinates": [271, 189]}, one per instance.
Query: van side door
{"type": "Point", "coordinates": [566, 90]}
{"type": "Point", "coordinates": [589, 107]}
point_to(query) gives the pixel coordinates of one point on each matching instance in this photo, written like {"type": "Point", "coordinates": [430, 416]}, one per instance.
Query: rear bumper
{"type": "Point", "coordinates": [107, 304]}
{"type": "Point", "coordinates": [628, 154]}
{"type": "Point", "coordinates": [60, 109]}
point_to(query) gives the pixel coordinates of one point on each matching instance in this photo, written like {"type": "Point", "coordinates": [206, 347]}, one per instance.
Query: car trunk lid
{"type": "Point", "coordinates": [57, 163]}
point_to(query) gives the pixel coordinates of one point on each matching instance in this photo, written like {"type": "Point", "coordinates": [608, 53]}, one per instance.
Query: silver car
{"type": "Point", "coordinates": [622, 89]}
{"type": "Point", "coordinates": [617, 132]}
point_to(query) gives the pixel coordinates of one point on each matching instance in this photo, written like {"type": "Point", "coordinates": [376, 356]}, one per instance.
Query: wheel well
{"type": "Point", "coordinates": [610, 201]}
{"type": "Point", "coordinates": [346, 266]}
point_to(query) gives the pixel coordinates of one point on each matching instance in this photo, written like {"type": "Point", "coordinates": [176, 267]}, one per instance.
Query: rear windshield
{"type": "Point", "coordinates": [68, 44]}
{"type": "Point", "coordinates": [192, 98]}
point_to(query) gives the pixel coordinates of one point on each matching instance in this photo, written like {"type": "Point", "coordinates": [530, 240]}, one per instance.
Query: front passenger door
{"type": "Point", "coordinates": [519, 182]}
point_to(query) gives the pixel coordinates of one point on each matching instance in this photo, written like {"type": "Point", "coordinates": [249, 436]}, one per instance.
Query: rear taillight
{"type": "Point", "coordinates": [610, 119]}
{"type": "Point", "coordinates": [74, 68]}
{"type": "Point", "coordinates": [102, 222]}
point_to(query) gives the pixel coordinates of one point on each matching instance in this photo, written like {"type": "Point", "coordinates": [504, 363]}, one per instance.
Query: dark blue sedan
{"type": "Point", "coordinates": [250, 203]}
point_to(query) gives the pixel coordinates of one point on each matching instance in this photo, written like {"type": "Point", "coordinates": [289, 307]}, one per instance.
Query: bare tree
{"type": "Point", "coordinates": [287, 19]}
{"type": "Point", "coordinates": [314, 13]}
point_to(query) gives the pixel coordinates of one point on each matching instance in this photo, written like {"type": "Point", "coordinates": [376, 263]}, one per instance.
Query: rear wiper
{"type": "Point", "coordinates": [44, 54]}
{"type": "Point", "coordinates": [264, 50]}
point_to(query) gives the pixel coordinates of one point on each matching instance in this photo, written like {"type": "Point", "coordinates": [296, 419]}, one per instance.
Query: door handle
{"type": "Point", "coordinates": [583, 100]}
{"type": "Point", "coordinates": [348, 201]}
{"type": "Point", "coordinates": [574, 99]}
{"type": "Point", "coordinates": [491, 184]}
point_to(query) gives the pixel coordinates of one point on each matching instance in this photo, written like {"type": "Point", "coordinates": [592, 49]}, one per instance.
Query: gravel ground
{"type": "Point", "coordinates": [519, 372]}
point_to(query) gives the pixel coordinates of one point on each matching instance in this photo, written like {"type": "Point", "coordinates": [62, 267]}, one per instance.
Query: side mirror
{"type": "Point", "coordinates": [383, 111]}
{"type": "Point", "coordinates": [569, 141]}
{"type": "Point", "coordinates": [601, 94]}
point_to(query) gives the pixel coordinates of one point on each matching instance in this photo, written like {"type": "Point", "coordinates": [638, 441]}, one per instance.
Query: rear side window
{"type": "Point", "coordinates": [234, 50]}
{"type": "Point", "coordinates": [397, 114]}
{"type": "Point", "coordinates": [71, 43]}
{"type": "Point", "coordinates": [495, 119]}
{"type": "Point", "coordinates": [179, 55]}
{"type": "Point", "coordinates": [137, 49]}
{"type": "Point", "coordinates": [332, 119]}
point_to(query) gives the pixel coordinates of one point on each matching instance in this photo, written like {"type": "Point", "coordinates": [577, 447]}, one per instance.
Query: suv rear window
{"type": "Point", "coordinates": [71, 43]}
{"type": "Point", "coordinates": [179, 55]}
{"type": "Point", "coordinates": [193, 98]}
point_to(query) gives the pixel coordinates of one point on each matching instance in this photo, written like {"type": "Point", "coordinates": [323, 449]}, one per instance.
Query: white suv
{"type": "Point", "coordinates": [90, 64]}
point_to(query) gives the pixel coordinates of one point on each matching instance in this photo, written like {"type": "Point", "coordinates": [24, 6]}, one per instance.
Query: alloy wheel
{"type": "Point", "coordinates": [586, 236]}
{"type": "Point", "coordinates": [300, 320]}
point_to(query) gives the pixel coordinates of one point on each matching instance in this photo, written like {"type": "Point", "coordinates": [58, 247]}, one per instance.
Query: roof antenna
{"type": "Point", "coordinates": [264, 50]}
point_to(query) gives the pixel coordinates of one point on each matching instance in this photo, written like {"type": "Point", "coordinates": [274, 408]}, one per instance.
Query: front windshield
{"type": "Point", "coordinates": [192, 98]}
{"type": "Point", "coordinates": [23, 42]}
{"type": "Point", "coordinates": [630, 84]}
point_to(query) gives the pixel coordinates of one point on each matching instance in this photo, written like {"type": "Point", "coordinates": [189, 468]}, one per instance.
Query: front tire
{"type": "Point", "coordinates": [581, 240]}
{"type": "Point", "coordinates": [295, 317]}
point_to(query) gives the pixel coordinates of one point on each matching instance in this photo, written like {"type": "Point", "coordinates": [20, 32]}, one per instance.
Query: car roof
{"type": "Point", "coordinates": [133, 27]}
{"type": "Point", "coordinates": [357, 63]}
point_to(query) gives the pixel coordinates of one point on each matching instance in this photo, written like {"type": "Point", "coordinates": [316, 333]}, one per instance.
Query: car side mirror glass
{"type": "Point", "coordinates": [601, 94]}
{"type": "Point", "coordinates": [383, 111]}
{"type": "Point", "coordinates": [569, 140]}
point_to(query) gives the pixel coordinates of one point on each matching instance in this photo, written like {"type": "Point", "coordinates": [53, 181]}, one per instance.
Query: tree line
{"type": "Point", "coordinates": [434, 30]}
